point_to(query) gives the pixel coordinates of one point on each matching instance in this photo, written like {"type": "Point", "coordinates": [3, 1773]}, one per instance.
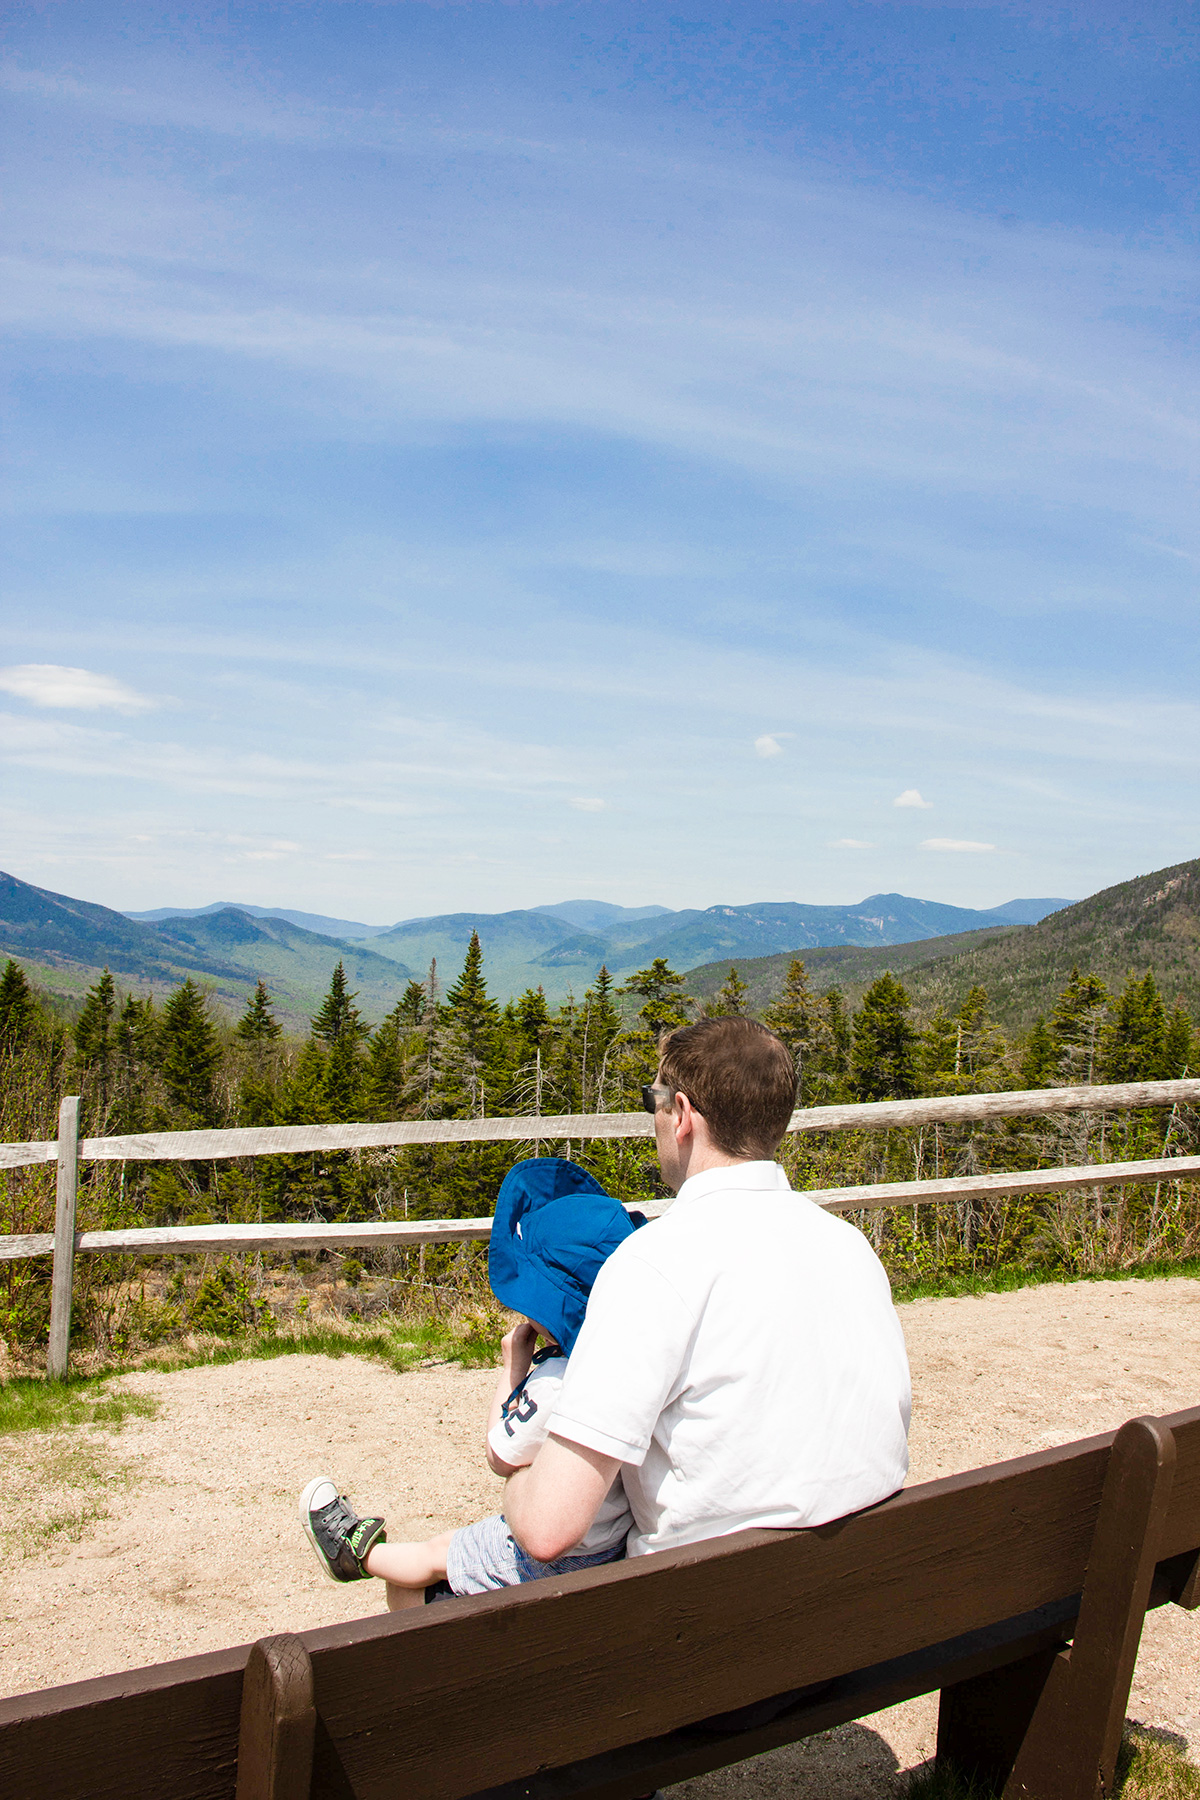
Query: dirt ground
{"type": "Point", "coordinates": [201, 1547]}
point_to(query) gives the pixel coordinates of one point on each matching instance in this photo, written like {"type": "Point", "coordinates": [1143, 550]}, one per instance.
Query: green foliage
{"type": "Point", "coordinates": [258, 1024]}
{"type": "Point", "coordinates": [883, 1052]}
{"type": "Point", "coordinates": [18, 1010]}
{"type": "Point", "coordinates": [661, 991]}
{"type": "Point", "coordinates": [191, 1056]}
{"type": "Point", "coordinates": [816, 1032]}
{"type": "Point", "coordinates": [730, 1000]}
{"type": "Point", "coordinates": [1039, 1062]}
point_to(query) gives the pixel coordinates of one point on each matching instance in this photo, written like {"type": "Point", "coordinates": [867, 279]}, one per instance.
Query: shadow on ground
{"type": "Point", "coordinates": [851, 1763]}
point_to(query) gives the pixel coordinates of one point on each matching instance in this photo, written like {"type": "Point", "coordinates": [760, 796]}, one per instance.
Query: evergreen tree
{"type": "Point", "coordinates": [95, 1038]}
{"type": "Point", "coordinates": [470, 1043]}
{"type": "Point", "coordinates": [1039, 1064]}
{"type": "Point", "coordinates": [1178, 1059]}
{"type": "Point", "coordinates": [981, 1044]}
{"type": "Point", "coordinates": [1076, 1023]}
{"type": "Point", "coordinates": [191, 1055]}
{"type": "Point", "coordinates": [938, 1051]}
{"type": "Point", "coordinates": [412, 1007]}
{"type": "Point", "coordinates": [18, 1009]}
{"type": "Point", "coordinates": [531, 1016]}
{"type": "Point", "coordinates": [664, 1003]}
{"type": "Point", "coordinates": [1134, 1040]}
{"type": "Point", "coordinates": [730, 998]}
{"type": "Point", "coordinates": [258, 1024]}
{"type": "Point", "coordinates": [257, 1033]}
{"type": "Point", "coordinates": [137, 1056]}
{"type": "Point", "coordinates": [339, 1020]}
{"type": "Point", "coordinates": [882, 1057]}
{"type": "Point", "coordinates": [601, 1024]}
{"type": "Point", "coordinates": [339, 1026]}
{"type": "Point", "coordinates": [814, 1031]}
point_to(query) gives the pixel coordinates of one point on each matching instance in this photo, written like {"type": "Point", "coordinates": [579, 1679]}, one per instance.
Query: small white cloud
{"type": "Point", "coordinates": [583, 805]}
{"type": "Point", "coordinates": [766, 745]}
{"type": "Point", "coordinates": [953, 844]}
{"type": "Point", "coordinates": [911, 797]}
{"type": "Point", "coordinates": [851, 844]}
{"type": "Point", "coordinates": [50, 684]}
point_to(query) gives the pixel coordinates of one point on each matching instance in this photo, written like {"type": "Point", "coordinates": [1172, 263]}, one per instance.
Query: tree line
{"type": "Point", "coordinates": [143, 1064]}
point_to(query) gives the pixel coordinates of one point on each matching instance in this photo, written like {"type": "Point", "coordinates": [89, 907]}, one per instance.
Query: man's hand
{"type": "Point", "coordinates": [550, 1505]}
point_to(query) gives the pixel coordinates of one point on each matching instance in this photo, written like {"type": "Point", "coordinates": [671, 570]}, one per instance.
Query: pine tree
{"type": "Point", "coordinates": [413, 1005]}
{"type": "Point", "coordinates": [531, 1016]}
{"type": "Point", "coordinates": [981, 1044]}
{"type": "Point", "coordinates": [1133, 1042]}
{"type": "Point", "coordinates": [468, 1051]}
{"type": "Point", "coordinates": [938, 1051]}
{"type": "Point", "coordinates": [813, 1030]}
{"type": "Point", "coordinates": [191, 1055]}
{"type": "Point", "coordinates": [339, 1026]}
{"type": "Point", "coordinates": [95, 1038]}
{"type": "Point", "coordinates": [1076, 1022]}
{"type": "Point", "coordinates": [137, 1056]}
{"type": "Point", "coordinates": [18, 1009]}
{"type": "Point", "coordinates": [729, 1002]}
{"type": "Point", "coordinates": [882, 1058]}
{"type": "Point", "coordinates": [258, 1024]}
{"type": "Point", "coordinates": [1039, 1064]}
{"type": "Point", "coordinates": [601, 1024]}
{"type": "Point", "coordinates": [339, 1019]}
{"type": "Point", "coordinates": [1178, 1057]}
{"type": "Point", "coordinates": [664, 1003]}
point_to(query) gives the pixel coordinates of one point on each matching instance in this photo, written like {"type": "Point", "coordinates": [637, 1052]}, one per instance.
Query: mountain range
{"type": "Point", "coordinates": [64, 942]}
{"type": "Point", "coordinates": [1150, 923]}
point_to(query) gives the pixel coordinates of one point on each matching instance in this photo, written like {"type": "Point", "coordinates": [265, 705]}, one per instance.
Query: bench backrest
{"type": "Point", "coordinates": [469, 1694]}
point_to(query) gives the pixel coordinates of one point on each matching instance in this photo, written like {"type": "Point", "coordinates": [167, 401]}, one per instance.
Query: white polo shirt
{"type": "Point", "coordinates": [741, 1356]}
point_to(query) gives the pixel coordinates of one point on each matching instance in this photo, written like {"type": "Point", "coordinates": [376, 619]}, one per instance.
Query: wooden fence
{"type": "Point", "coordinates": [68, 1150]}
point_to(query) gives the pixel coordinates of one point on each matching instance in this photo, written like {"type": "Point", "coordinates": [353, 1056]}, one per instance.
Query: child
{"type": "Point", "coordinates": [554, 1227]}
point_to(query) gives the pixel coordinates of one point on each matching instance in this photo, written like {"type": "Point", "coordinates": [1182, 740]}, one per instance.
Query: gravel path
{"type": "Point", "coordinates": [200, 1547]}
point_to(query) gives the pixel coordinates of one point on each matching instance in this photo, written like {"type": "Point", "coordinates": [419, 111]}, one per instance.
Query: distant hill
{"type": "Point", "coordinates": [64, 943]}
{"type": "Point", "coordinates": [318, 922]}
{"type": "Point", "coordinates": [848, 967]}
{"type": "Point", "coordinates": [537, 948]}
{"type": "Point", "coordinates": [1152, 922]}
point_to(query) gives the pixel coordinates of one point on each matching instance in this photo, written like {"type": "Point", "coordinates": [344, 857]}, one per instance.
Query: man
{"type": "Point", "coordinates": [741, 1363]}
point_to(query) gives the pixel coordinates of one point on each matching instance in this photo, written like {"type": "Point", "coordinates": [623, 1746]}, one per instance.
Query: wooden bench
{"type": "Point", "coordinates": [591, 1684]}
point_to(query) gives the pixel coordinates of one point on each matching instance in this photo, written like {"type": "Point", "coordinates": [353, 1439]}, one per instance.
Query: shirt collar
{"type": "Point", "coordinates": [736, 1177]}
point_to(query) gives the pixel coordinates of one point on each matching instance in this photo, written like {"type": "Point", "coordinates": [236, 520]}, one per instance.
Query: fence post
{"type": "Point", "coordinates": [58, 1354]}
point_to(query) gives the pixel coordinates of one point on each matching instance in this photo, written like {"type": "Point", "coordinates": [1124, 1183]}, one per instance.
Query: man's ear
{"type": "Point", "coordinates": [685, 1117]}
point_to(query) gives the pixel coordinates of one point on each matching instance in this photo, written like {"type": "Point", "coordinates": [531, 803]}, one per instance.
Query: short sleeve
{"type": "Point", "coordinates": [627, 1361]}
{"type": "Point", "coordinates": [517, 1437]}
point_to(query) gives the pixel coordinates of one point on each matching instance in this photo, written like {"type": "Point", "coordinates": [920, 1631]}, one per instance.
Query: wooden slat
{"type": "Point", "coordinates": [629, 1651]}
{"type": "Point", "coordinates": [171, 1240]}
{"type": "Point", "coordinates": [1012, 1181]}
{"type": "Point", "coordinates": [877, 1115]}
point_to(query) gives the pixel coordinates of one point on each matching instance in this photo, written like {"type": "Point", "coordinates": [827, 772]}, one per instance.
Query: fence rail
{"type": "Point", "coordinates": [875, 1115]}
{"type": "Point", "coordinates": [68, 1150]}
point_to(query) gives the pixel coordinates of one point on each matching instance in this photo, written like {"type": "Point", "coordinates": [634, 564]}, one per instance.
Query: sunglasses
{"type": "Point", "coordinates": [654, 1096]}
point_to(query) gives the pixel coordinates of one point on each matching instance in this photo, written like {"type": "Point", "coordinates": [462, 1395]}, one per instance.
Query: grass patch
{"type": "Point", "coordinates": [403, 1347]}
{"type": "Point", "coordinates": [1007, 1280]}
{"type": "Point", "coordinates": [1152, 1765]}
{"type": "Point", "coordinates": [30, 1403]}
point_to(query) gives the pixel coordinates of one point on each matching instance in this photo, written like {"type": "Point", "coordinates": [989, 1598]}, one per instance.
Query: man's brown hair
{"type": "Point", "coordinates": [739, 1076]}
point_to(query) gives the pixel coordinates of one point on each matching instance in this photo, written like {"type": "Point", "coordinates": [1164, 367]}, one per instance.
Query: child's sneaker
{"type": "Point", "coordinates": [340, 1538]}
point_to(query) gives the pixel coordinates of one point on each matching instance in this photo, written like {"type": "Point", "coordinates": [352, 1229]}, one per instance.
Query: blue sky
{"type": "Point", "coordinates": [469, 456]}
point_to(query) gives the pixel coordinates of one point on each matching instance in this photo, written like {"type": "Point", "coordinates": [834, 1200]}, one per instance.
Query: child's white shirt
{"type": "Point", "coordinates": [523, 1428]}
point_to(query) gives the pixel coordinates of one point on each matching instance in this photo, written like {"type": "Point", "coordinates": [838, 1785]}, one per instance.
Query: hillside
{"type": "Point", "coordinates": [539, 948]}
{"type": "Point", "coordinates": [1152, 923]}
{"type": "Point", "coordinates": [848, 967]}
{"type": "Point", "coordinates": [64, 943]}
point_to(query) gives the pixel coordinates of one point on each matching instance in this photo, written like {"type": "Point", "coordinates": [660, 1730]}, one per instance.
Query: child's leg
{"type": "Point", "coordinates": [409, 1569]}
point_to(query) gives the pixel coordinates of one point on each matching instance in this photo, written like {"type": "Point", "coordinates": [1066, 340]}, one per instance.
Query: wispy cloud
{"type": "Point", "coordinates": [581, 804]}
{"type": "Point", "coordinates": [912, 797]}
{"type": "Point", "coordinates": [954, 844]}
{"type": "Point", "coordinates": [851, 844]}
{"type": "Point", "coordinates": [53, 684]}
{"type": "Point", "coordinates": [767, 746]}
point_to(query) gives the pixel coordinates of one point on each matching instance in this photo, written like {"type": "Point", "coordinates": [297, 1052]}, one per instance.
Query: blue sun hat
{"type": "Point", "coordinates": [554, 1227]}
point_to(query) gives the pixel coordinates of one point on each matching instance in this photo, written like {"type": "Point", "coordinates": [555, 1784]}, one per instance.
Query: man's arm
{"type": "Point", "coordinates": [550, 1504]}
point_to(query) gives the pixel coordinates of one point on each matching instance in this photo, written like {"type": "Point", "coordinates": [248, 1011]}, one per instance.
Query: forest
{"type": "Point", "coordinates": [455, 1052]}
